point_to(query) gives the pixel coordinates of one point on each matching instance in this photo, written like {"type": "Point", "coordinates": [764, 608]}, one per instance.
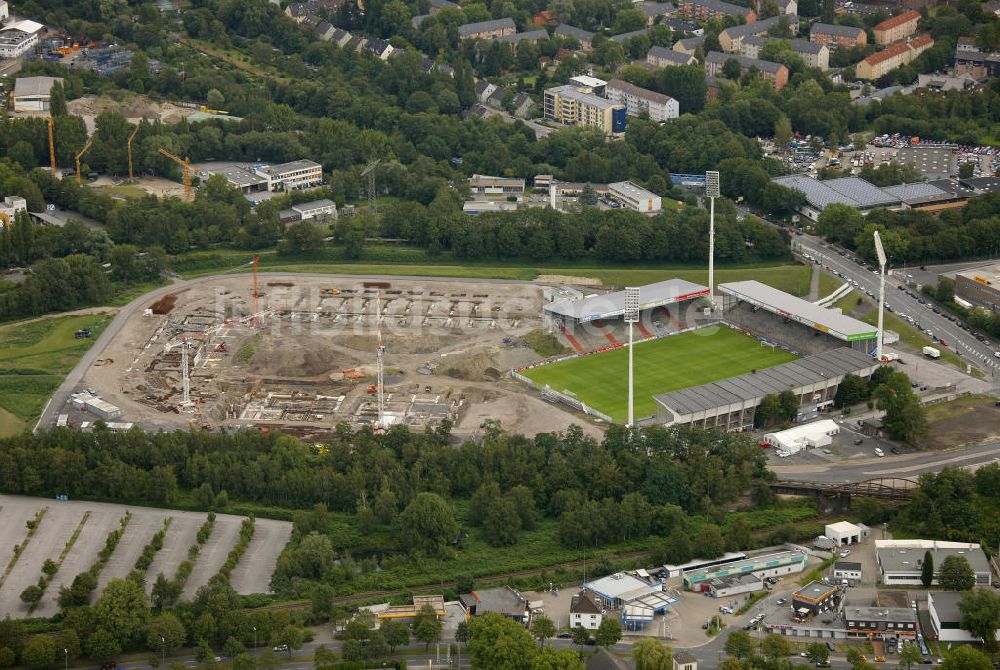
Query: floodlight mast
{"type": "Point", "coordinates": [631, 317]}
{"type": "Point", "coordinates": [881, 294]}
{"type": "Point", "coordinates": [712, 191]}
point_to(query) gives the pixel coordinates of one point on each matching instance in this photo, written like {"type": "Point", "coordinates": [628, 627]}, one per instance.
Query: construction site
{"type": "Point", "coordinates": [301, 354]}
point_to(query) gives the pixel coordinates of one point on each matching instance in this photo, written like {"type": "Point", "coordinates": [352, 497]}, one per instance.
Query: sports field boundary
{"type": "Point", "coordinates": [575, 403]}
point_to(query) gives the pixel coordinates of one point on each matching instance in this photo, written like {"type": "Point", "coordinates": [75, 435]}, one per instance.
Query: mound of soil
{"type": "Point", "coordinates": [403, 343]}
{"type": "Point", "coordinates": [301, 356]}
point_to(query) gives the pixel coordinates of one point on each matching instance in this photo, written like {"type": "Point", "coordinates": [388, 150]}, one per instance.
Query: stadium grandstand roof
{"type": "Point", "coordinates": [829, 321]}
{"type": "Point", "coordinates": [610, 305]}
{"type": "Point", "coordinates": [851, 191]}
{"type": "Point", "coordinates": [755, 385]}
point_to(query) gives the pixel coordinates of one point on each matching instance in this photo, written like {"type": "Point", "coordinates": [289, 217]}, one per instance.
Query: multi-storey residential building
{"type": "Point", "coordinates": [572, 106]}
{"type": "Point", "coordinates": [897, 27]}
{"type": "Point", "coordinates": [980, 64]}
{"type": "Point", "coordinates": [637, 100]}
{"type": "Point", "coordinates": [584, 37]}
{"type": "Point", "coordinates": [663, 57]}
{"type": "Point", "coordinates": [814, 54]}
{"type": "Point", "coordinates": [879, 64]}
{"type": "Point", "coordinates": [487, 30]}
{"type": "Point", "coordinates": [731, 39]}
{"type": "Point", "coordinates": [775, 74]}
{"type": "Point", "coordinates": [704, 10]}
{"type": "Point", "coordinates": [838, 36]}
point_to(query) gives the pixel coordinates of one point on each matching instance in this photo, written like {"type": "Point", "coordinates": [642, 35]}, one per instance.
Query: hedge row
{"type": "Point", "coordinates": [154, 545]}
{"type": "Point", "coordinates": [78, 593]}
{"type": "Point", "coordinates": [236, 553]}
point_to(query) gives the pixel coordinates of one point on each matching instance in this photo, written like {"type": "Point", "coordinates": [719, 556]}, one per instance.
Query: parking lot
{"type": "Point", "coordinates": [96, 520]}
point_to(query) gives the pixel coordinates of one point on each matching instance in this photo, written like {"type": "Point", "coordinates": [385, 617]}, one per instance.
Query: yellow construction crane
{"type": "Point", "coordinates": [186, 167]}
{"type": "Point", "coordinates": [77, 158]}
{"type": "Point", "coordinates": [52, 145]}
{"type": "Point", "coordinates": [206, 110]}
{"type": "Point", "coordinates": [130, 138]}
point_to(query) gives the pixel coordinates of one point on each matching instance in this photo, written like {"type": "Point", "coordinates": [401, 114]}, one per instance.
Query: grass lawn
{"type": "Point", "coordinates": [395, 261]}
{"type": "Point", "coordinates": [34, 358]}
{"type": "Point", "coordinates": [661, 366]}
{"type": "Point", "coordinates": [828, 284]}
{"type": "Point", "coordinates": [124, 190]}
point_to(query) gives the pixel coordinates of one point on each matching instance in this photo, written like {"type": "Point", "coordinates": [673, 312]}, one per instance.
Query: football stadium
{"type": "Point", "coordinates": [695, 367]}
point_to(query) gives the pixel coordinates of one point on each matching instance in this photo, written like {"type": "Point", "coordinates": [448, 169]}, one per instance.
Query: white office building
{"type": "Point", "coordinates": [635, 198]}
{"type": "Point", "coordinates": [18, 38]}
{"type": "Point", "coordinates": [901, 561]}
{"type": "Point", "coordinates": [32, 94]}
{"type": "Point", "coordinates": [11, 205]}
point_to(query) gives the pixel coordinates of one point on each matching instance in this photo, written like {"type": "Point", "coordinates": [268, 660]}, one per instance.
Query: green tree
{"type": "Point", "coordinates": [980, 610]}
{"type": "Point", "coordinates": [783, 131]}
{"type": "Point", "coordinates": [966, 170]}
{"type": "Point", "coordinates": [775, 647]}
{"type": "Point", "coordinates": [852, 390]}
{"type": "Point", "coordinates": [232, 647]}
{"type": "Point", "coordinates": [580, 635]}
{"type": "Point", "coordinates": [32, 594]}
{"type": "Point", "coordinates": [966, 658]}
{"type": "Point", "coordinates": [39, 653]}
{"type": "Point", "coordinates": [609, 632]}
{"type": "Point", "coordinates": [502, 523]}
{"type": "Point", "coordinates": [499, 643]}
{"type": "Point", "coordinates": [956, 574]}
{"type": "Point", "coordinates": [302, 237]}
{"type": "Point", "coordinates": [427, 525]}
{"type": "Point", "coordinates": [740, 644]}
{"type": "Point", "coordinates": [817, 653]}
{"type": "Point", "coordinates": [244, 661]}
{"type": "Point", "coordinates": [909, 655]}
{"type": "Point", "coordinates": [122, 610]}
{"type": "Point", "coordinates": [103, 646]}
{"type": "Point", "coordinates": [651, 654]}
{"type": "Point", "coordinates": [927, 569]}
{"type": "Point", "coordinates": [731, 69]}
{"type": "Point", "coordinates": [542, 628]}
{"type": "Point", "coordinates": [7, 657]}
{"type": "Point", "coordinates": [57, 100]}
{"type": "Point", "coordinates": [290, 637]}
{"type": "Point", "coordinates": [396, 634]}
{"type": "Point", "coordinates": [709, 542]}
{"type": "Point", "coordinates": [427, 626]}
{"type": "Point", "coordinates": [354, 238]}
{"type": "Point", "coordinates": [588, 196]}
{"type": "Point", "coordinates": [904, 416]}
{"type": "Point", "coordinates": [165, 633]}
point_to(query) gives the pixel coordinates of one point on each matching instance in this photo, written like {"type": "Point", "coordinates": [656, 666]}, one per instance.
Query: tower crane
{"type": "Point", "coordinates": [185, 166]}
{"type": "Point", "coordinates": [256, 296]}
{"type": "Point", "coordinates": [52, 146]}
{"type": "Point", "coordinates": [130, 138]}
{"type": "Point", "coordinates": [77, 158]}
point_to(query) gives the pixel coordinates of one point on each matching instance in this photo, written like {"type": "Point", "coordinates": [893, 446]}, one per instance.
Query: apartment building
{"type": "Point", "coordinates": [487, 30]}
{"type": "Point", "coordinates": [637, 100]}
{"type": "Point", "coordinates": [663, 57]}
{"type": "Point", "coordinates": [979, 64]}
{"type": "Point", "coordinates": [731, 39]}
{"type": "Point", "coordinates": [835, 36]}
{"type": "Point", "coordinates": [897, 27]}
{"type": "Point", "coordinates": [18, 38]}
{"type": "Point", "coordinates": [574, 106]}
{"type": "Point", "coordinates": [775, 74]}
{"type": "Point", "coordinates": [584, 37]}
{"type": "Point", "coordinates": [880, 64]}
{"type": "Point", "coordinates": [814, 54]}
{"type": "Point", "coordinates": [703, 10]}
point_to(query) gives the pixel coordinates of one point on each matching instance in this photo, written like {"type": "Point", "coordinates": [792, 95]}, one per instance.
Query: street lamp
{"type": "Point", "coordinates": [163, 650]}
{"type": "Point", "coordinates": [255, 637]}
{"type": "Point", "coordinates": [66, 657]}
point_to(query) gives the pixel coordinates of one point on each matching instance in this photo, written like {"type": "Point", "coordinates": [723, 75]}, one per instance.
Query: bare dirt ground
{"type": "Point", "coordinates": [452, 343]}
{"type": "Point", "coordinates": [132, 107]}
{"type": "Point", "coordinates": [158, 186]}
{"type": "Point", "coordinates": [965, 421]}
{"type": "Point", "coordinates": [61, 519]}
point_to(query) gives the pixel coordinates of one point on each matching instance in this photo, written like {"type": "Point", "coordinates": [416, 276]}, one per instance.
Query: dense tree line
{"type": "Point", "coordinates": [912, 237]}
{"type": "Point", "coordinates": [955, 504]}
{"type": "Point", "coordinates": [629, 486]}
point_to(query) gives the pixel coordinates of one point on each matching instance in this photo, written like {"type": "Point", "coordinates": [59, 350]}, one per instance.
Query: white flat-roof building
{"type": "Point", "coordinates": [844, 532]}
{"type": "Point", "coordinates": [804, 436]}
{"type": "Point", "coordinates": [850, 570]}
{"type": "Point", "coordinates": [637, 100]}
{"type": "Point", "coordinates": [18, 38]}
{"type": "Point", "coordinates": [11, 205]}
{"type": "Point", "coordinates": [485, 184]}
{"type": "Point", "coordinates": [32, 94]}
{"type": "Point", "coordinates": [901, 561]}
{"type": "Point", "coordinates": [614, 591]}
{"type": "Point", "coordinates": [293, 175]}
{"type": "Point", "coordinates": [946, 618]}
{"type": "Point", "coordinates": [734, 585]}
{"type": "Point", "coordinates": [304, 211]}
{"type": "Point", "coordinates": [634, 197]}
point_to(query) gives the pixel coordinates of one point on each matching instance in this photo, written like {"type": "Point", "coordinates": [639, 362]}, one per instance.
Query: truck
{"type": "Point", "coordinates": [931, 352]}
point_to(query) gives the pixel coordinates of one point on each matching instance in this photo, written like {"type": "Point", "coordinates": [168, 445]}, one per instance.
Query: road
{"type": "Point", "coordinates": [906, 465]}
{"type": "Point", "coordinates": [959, 341]}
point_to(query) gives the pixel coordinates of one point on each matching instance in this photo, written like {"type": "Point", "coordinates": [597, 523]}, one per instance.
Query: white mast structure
{"type": "Point", "coordinates": [631, 317]}
{"type": "Point", "coordinates": [712, 191]}
{"type": "Point", "coordinates": [185, 375]}
{"type": "Point", "coordinates": [380, 373]}
{"type": "Point", "coordinates": [881, 294]}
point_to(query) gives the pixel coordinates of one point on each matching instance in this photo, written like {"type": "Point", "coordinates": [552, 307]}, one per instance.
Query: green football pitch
{"type": "Point", "coordinates": [663, 365]}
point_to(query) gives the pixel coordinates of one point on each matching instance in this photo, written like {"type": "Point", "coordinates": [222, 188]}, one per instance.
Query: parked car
{"type": "Point", "coordinates": [845, 553]}
{"type": "Point", "coordinates": [879, 452]}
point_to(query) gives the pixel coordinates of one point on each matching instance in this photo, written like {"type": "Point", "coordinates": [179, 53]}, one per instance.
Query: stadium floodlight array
{"type": "Point", "coordinates": [712, 191]}
{"type": "Point", "coordinates": [631, 317]}
{"type": "Point", "coordinates": [881, 294]}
